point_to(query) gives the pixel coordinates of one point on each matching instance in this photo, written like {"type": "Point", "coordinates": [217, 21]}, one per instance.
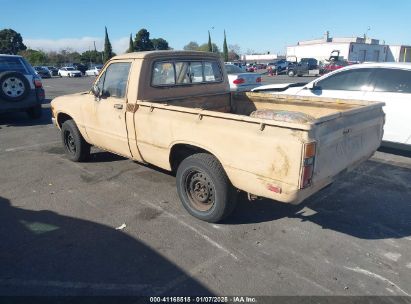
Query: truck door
{"type": "Point", "coordinates": [106, 124]}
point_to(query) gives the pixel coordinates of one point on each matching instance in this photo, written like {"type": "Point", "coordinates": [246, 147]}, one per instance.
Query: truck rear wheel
{"type": "Point", "coordinates": [204, 188]}
{"type": "Point", "coordinates": [77, 149]}
{"type": "Point", "coordinates": [291, 73]}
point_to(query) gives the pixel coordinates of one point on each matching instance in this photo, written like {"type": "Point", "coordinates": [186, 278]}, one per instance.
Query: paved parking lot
{"type": "Point", "coordinates": [58, 227]}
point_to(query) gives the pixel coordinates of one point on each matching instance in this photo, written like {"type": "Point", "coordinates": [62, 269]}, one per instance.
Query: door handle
{"type": "Point", "coordinates": [118, 106]}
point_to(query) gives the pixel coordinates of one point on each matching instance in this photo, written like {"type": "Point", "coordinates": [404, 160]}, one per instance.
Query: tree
{"type": "Point", "coordinates": [54, 58]}
{"type": "Point", "coordinates": [205, 48]}
{"type": "Point", "coordinates": [251, 52]}
{"type": "Point", "coordinates": [234, 51]}
{"type": "Point", "coordinates": [108, 51]}
{"type": "Point", "coordinates": [235, 48]}
{"type": "Point", "coordinates": [34, 57]}
{"type": "Point", "coordinates": [225, 48]}
{"type": "Point", "coordinates": [130, 45]}
{"type": "Point", "coordinates": [142, 41]}
{"type": "Point", "coordinates": [210, 46]}
{"type": "Point", "coordinates": [91, 57]}
{"type": "Point", "coordinates": [160, 44]}
{"type": "Point", "coordinates": [191, 46]}
{"type": "Point", "coordinates": [233, 56]}
{"type": "Point", "coordinates": [11, 42]}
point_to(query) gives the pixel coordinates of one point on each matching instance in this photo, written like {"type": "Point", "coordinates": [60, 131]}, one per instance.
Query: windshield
{"type": "Point", "coordinates": [233, 69]}
{"type": "Point", "coordinates": [70, 69]}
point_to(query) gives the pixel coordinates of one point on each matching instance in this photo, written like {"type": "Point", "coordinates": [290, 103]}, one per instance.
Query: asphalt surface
{"type": "Point", "coordinates": [111, 226]}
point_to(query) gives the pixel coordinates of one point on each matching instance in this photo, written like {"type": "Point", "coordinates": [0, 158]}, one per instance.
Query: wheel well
{"type": "Point", "coordinates": [179, 152]}
{"type": "Point", "coordinates": [61, 118]}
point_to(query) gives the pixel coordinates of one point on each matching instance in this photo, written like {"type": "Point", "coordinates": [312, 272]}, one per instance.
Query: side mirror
{"type": "Point", "coordinates": [312, 86]}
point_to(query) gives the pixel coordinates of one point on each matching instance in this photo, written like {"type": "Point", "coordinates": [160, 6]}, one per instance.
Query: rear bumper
{"type": "Point", "coordinates": [245, 88]}
{"type": "Point", "coordinates": [30, 101]}
{"type": "Point", "coordinates": [263, 187]}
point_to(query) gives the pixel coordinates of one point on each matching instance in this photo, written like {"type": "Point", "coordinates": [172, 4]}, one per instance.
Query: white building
{"type": "Point", "coordinates": [350, 48]}
{"type": "Point", "coordinates": [259, 58]}
{"type": "Point", "coordinates": [399, 53]}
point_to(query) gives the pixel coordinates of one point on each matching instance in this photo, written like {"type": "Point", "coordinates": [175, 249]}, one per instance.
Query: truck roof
{"type": "Point", "coordinates": [155, 54]}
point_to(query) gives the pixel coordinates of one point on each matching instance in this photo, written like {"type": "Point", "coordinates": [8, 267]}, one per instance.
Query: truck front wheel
{"type": "Point", "coordinates": [77, 149]}
{"type": "Point", "coordinates": [291, 73]}
{"type": "Point", "coordinates": [204, 188]}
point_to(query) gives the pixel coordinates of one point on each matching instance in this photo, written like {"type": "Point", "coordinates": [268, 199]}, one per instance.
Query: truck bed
{"type": "Point", "coordinates": [319, 108]}
{"type": "Point", "coordinates": [268, 150]}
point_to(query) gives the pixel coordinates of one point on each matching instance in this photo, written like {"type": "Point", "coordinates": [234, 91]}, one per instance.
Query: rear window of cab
{"type": "Point", "coordinates": [178, 73]}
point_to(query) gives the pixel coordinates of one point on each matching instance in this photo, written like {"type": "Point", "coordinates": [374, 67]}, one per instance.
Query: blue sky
{"type": "Point", "coordinates": [261, 26]}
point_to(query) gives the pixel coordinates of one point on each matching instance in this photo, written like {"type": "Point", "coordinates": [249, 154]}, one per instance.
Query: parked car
{"type": "Point", "coordinates": [386, 82]}
{"type": "Point", "coordinates": [69, 72]}
{"type": "Point", "coordinates": [21, 88]}
{"type": "Point", "coordinates": [333, 65]}
{"type": "Point", "coordinates": [94, 71]}
{"type": "Point", "coordinates": [53, 70]}
{"type": "Point", "coordinates": [80, 67]}
{"type": "Point", "coordinates": [174, 110]}
{"type": "Point", "coordinates": [281, 65]}
{"type": "Point", "coordinates": [260, 66]}
{"type": "Point", "coordinates": [239, 64]}
{"type": "Point", "coordinates": [241, 81]}
{"type": "Point", "coordinates": [43, 72]}
{"type": "Point", "coordinates": [250, 68]}
{"type": "Point", "coordinates": [306, 66]}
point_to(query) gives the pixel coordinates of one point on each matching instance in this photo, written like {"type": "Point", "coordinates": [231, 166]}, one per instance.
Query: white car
{"type": "Point", "coordinates": [94, 71]}
{"type": "Point", "coordinates": [240, 80]}
{"type": "Point", "coordinates": [386, 82]}
{"type": "Point", "coordinates": [69, 72]}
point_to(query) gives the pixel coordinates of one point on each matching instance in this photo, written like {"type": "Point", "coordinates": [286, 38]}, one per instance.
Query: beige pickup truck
{"type": "Point", "coordinates": [174, 109]}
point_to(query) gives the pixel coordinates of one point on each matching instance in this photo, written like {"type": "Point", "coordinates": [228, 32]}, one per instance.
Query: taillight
{"type": "Point", "coordinates": [239, 81]}
{"type": "Point", "coordinates": [308, 165]}
{"type": "Point", "coordinates": [258, 79]}
{"type": "Point", "coordinates": [309, 150]}
{"type": "Point", "coordinates": [37, 83]}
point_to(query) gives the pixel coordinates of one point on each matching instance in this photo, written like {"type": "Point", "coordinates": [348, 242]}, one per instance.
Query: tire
{"type": "Point", "coordinates": [35, 112]}
{"type": "Point", "coordinates": [291, 73]}
{"type": "Point", "coordinates": [204, 188]}
{"type": "Point", "coordinates": [77, 149]}
{"type": "Point", "coordinates": [14, 86]}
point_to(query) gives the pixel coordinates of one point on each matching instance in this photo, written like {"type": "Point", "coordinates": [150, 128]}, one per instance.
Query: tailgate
{"type": "Point", "coordinates": [347, 140]}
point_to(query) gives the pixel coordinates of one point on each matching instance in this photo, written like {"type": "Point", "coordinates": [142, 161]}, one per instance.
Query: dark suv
{"type": "Point", "coordinates": [303, 67]}
{"type": "Point", "coordinates": [80, 67]}
{"type": "Point", "coordinates": [20, 87]}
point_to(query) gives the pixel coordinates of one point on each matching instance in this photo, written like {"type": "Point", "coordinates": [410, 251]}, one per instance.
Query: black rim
{"type": "Point", "coordinates": [69, 142]}
{"type": "Point", "coordinates": [200, 190]}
